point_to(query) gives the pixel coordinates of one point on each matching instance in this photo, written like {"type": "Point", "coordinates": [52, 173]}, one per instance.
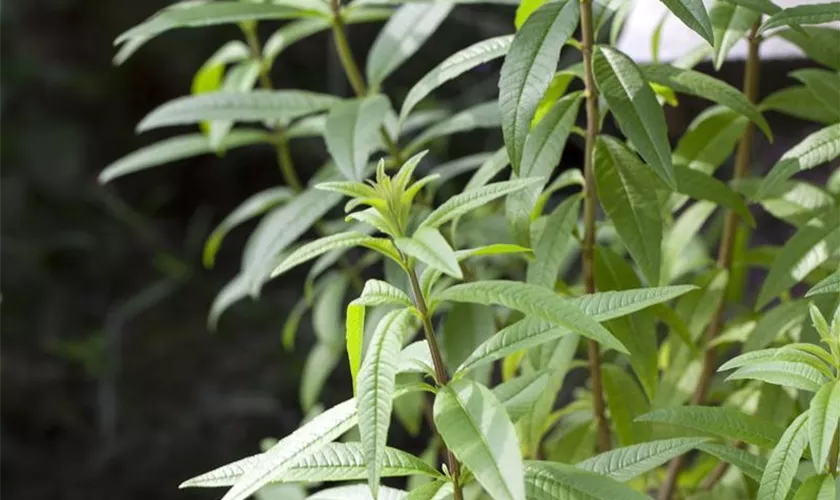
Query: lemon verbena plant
{"type": "Point", "coordinates": [465, 314]}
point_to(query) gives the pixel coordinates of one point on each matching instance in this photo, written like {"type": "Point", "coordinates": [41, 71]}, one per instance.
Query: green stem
{"type": "Point", "coordinates": [589, 206]}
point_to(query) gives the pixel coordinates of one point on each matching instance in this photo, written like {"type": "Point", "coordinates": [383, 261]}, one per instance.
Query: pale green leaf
{"type": "Point", "coordinates": [710, 139]}
{"type": "Point", "coordinates": [822, 44]}
{"type": "Point", "coordinates": [783, 461]}
{"type": "Point", "coordinates": [820, 147]}
{"type": "Point", "coordinates": [357, 492]}
{"type": "Point", "coordinates": [633, 103]}
{"type": "Point", "coordinates": [801, 103]}
{"type": "Point", "coordinates": [730, 24]}
{"type": "Point", "coordinates": [436, 490]}
{"type": "Point", "coordinates": [623, 464]}
{"type": "Point", "coordinates": [351, 133]}
{"type": "Point", "coordinates": [529, 67]}
{"type": "Point", "coordinates": [830, 284]}
{"type": "Point", "coordinates": [701, 186]}
{"type": "Point", "coordinates": [823, 420]}
{"type": "Point", "coordinates": [785, 373]}
{"type": "Point", "coordinates": [177, 148]}
{"type": "Point", "coordinates": [751, 465]}
{"type": "Point", "coordinates": [774, 323]}
{"type": "Point", "coordinates": [466, 326]}
{"type": "Point", "coordinates": [763, 6]}
{"type": "Point", "coordinates": [821, 487]}
{"type": "Point", "coordinates": [825, 85]}
{"type": "Point", "coordinates": [471, 199]}
{"type": "Point", "coordinates": [552, 481]}
{"type": "Point", "coordinates": [404, 33]}
{"type": "Point", "coordinates": [693, 14]}
{"type": "Point", "coordinates": [254, 106]}
{"type": "Point", "coordinates": [431, 248]}
{"type": "Point", "coordinates": [719, 421]}
{"type": "Point", "coordinates": [817, 13]}
{"type": "Point", "coordinates": [484, 115]}
{"type": "Point", "coordinates": [476, 428]}
{"type": "Point", "coordinates": [377, 293]}
{"type": "Point", "coordinates": [319, 365]}
{"type": "Point", "coordinates": [519, 394]}
{"type": "Point", "coordinates": [309, 251]}
{"type": "Point", "coordinates": [454, 66]}
{"type": "Point", "coordinates": [553, 244]}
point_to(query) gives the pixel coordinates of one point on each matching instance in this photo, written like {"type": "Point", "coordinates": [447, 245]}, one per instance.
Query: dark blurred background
{"type": "Point", "coordinates": [111, 383]}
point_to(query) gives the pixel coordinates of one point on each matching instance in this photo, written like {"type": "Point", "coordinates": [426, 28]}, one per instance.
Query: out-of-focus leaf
{"type": "Point", "coordinates": [351, 132]}
{"type": "Point", "coordinates": [730, 24]}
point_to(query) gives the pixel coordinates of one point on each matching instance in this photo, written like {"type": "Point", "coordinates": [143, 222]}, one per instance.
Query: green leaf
{"type": "Point", "coordinates": [710, 139]}
{"type": "Point", "coordinates": [257, 105]}
{"type": "Point", "coordinates": [308, 438]}
{"type": "Point", "coordinates": [540, 156]}
{"type": "Point", "coordinates": [208, 78]}
{"type": "Point", "coordinates": [453, 66]}
{"type": "Point", "coordinates": [431, 248]}
{"type": "Point", "coordinates": [254, 205]}
{"type": "Point", "coordinates": [718, 421]}
{"type": "Point", "coordinates": [830, 284]}
{"type": "Point", "coordinates": [233, 291]}
{"type": "Point", "coordinates": [693, 14]}
{"type": "Point", "coordinates": [730, 24]}
{"type": "Point", "coordinates": [552, 481]}
{"type": "Point", "coordinates": [404, 33]}
{"type": "Point", "coordinates": [484, 115]}
{"type": "Point", "coordinates": [309, 251]}
{"type": "Point", "coordinates": [820, 147]}
{"type": "Point", "coordinates": [378, 293]}
{"type": "Point", "coordinates": [519, 394]}
{"type": "Point", "coordinates": [751, 465]}
{"type": "Point", "coordinates": [702, 186]}
{"type": "Point", "coordinates": [634, 105]}
{"type": "Point", "coordinates": [825, 85]}
{"type": "Point", "coordinates": [774, 323]}
{"type": "Point", "coordinates": [376, 383]}
{"type": "Point", "coordinates": [177, 148]}
{"type": "Point", "coordinates": [357, 492]}
{"type": "Point", "coordinates": [823, 420]}
{"type": "Point", "coordinates": [466, 326]}
{"type": "Point", "coordinates": [194, 15]}
{"type": "Point", "coordinates": [783, 461]}
{"type": "Point", "coordinates": [695, 83]}
{"type": "Point", "coordinates": [351, 133]}
{"type": "Point", "coordinates": [354, 325]}
{"type": "Point", "coordinates": [763, 6]}
{"type": "Point", "coordinates": [787, 353]}
{"type": "Point", "coordinates": [625, 401]}
{"type": "Point", "coordinates": [808, 248]}
{"type": "Point", "coordinates": [820, 44]}
{"type": "Point", "coordinates": [623, 464]}
{"type": "Point", "coordinates": [471, 199]}
{"type": "Point", "coordinates": [476, 428]}
{"type": "Point", "coordinates": [803, 14]}
{"type": "Point", "coordinates": [319, 365]}
{"type": "Point", "coordinates": [529, 67]}
{"type": "Point", "coordinates": [625, 193]}
{"type": "Point", "coordinates": [822, 487]}
{"type": "Point", "coordinates": [534, 301]}
{"type": "Point", "coordinates": [609, 305]}
{"type": "Point", "coordinates": [785, 373]}
{"type": "Point", "coordinates": [553, 244]}
{"type": "Point", "coordinates": [437, 490]}
{"type": "Point", "coordinates": [800, 103]}
{"type": "Point", "coordinates": [240, 78]}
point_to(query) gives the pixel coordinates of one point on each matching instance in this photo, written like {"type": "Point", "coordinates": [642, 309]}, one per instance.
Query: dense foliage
{"type": "Point", "coordinates": [523, 273]}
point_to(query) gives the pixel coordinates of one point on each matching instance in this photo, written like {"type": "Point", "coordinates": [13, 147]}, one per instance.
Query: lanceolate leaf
{"type": "Point", "coordinates": [626, 401]}
{"type": "Point", "coordinates": [553, 243]}
{"type": "Point", "coordinates": [702, 186]}
{"type": "Point", "coordinates": [534, 301]}
{"type": "Point", "coordinates": [251, 106]}
{"type": "Point", "coordinates": [519, 394]}
{"type": "Point", "coordinates": [476, 428]}
{"type": "Point", "coordinates": [730, 24]}
{"type": "Point", "coordinates": [623, 464]}
{"type": "Point", "coordinates": [751, 465]}
{"type": "Point", "coordinates": [376, 385]}
{"type": "Point", "coordinates": [784, 460]}
{"type": "Point", "coordinates": [313, 249]}
{"type": "Point", "coordinates": [403, 34]}
{"type": "Point", "coordinates": [351, 133]}
{"type": "Point", "coordinates": [695, 83]}
{"type": "Point", "coordinates": [786, 373]}
{"type": "Point", "coordinates": [719, 421]}
{"type": "Point", "coordinates": [820, 147]}
{"type": "Point", "coordinates": [552, 480]}
{"type": "Point", "coordinates": [177, 148]}
{"type": "Point", "coordinates": [529, 68]}
{"type": "Point", "coordinates": [809, 247]}
{"type": "Point", "coordinates": [634, 105]}
{"type": "Point", "coordinates": [454, 66]}
{"type": "Point", "coordinates": [820, 44]}
{"type": "Point", "coordinates": [823, 419]}
{"type": "Point", "coordinates": [820, 487]}
{"type": "Point", "coordinates": [308, 438]}
{"type": "Point", "coordinates": [825, 85]}
{"type": "Point", "coordinates": [828, 285]}
{"type": "Point", "coordinates": [693, 14]}
{"type": "Point", "coordinates": [471, 199]}
{"type": "Point", "coordinates": [629, 199]}
{"type": "Point", "coordinates": [431, 248]}
{"type": "Point", "coordinates": [357, 492]}
{"type": "Point", "coordinates": [484, 115]}
{"type": "Point", "coordinates": [803, 14]}
{"type": "Point", "coordinates": [710, 139]}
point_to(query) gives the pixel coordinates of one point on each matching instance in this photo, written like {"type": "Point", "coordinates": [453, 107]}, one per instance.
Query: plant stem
{"type": "Point", "coordinates": [345, 55]}
{"type": "Point", "coordinates": [441, 376]}
{"type": "Point", "coordinates": [724, 257]}
{"type": "Point", "coordinates": [589, 202]}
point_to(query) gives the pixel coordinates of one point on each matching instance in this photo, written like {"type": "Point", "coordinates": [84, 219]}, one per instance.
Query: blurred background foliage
{"type": "Point", "coordinates": [111, 382]}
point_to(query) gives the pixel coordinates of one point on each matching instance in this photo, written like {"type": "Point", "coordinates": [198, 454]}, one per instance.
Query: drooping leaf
{"type": "Point", "coordinates": [404, 33]}
{"type": "Point", "coordinates": [625, 193]}
{"type": "Point", "coordinates": [484, 115]}
{"type": "Point", "coordinates": [453, 66]}
{"type": "Point", "coordinates": [801, 103]}
{"type": "Point", "coordinates": [552, 480]}
{"type": "Point", "coordinates": [710, 139]}
{"type": "Point", "coordinates": [623, 464]}
{"type": "Point", "coordinates": [823, 420]}
{"type": "Point", "coordinates": [430, 247]}
{"type": "Point", "coordinates": [701, 186]}
{"type": "Point", "coordinates": [820, 147]}
{"type": "Point", "coordinates": [553, 243]}
{"type": "Point", "coordinates": [528, 69]}
{"type": "Point", "coordinates": [730, 24]}
{"type": "Point", "coordinates": [257, 105]}
{"type": "Point", "coordinates": [751, 465]}
{"type": "Point", "coordinates": [783, 461]}
{"type": "Point", "coordinates": [818, 43]}
{"type": "Point", "coordinates": [177, 148]}
{"type": "Point", "coordinates": [476, 428]}
{"type": "Point", "coordinates": [718, 421]}
{"type": "Point", "coordinates": [351, 133]}
{"type": "Point", "coordinates": [817, 13]}
{"type": "Point", "coordinates": [691, 82]}
{"type": "Point", "coordinates": [693, 14]}
{"type": "Point", "coordinates": [376, 383]}
{"type": "Point", "coordinates": [626, 401]}
{"type": "Point", "coordinates": [471, 199]}
{"type": "Point", "coordinates": [319, 365]}
{"type": "Point", "coordinates": [823, 84]}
